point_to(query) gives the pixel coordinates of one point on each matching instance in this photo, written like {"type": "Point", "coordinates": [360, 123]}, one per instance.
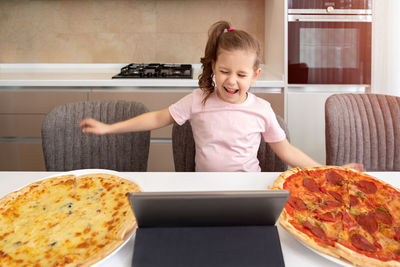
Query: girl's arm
{"type": "Point", "coordinates": [144, 122]}
{"type": "Point", "coordinates": [292, 155]}
{"type": "Point", "coordinates": [296, 158]}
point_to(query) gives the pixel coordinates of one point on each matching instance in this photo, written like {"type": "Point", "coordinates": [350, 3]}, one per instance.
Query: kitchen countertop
{"type": "Point", "coordinates": [99, 75]}
{"type": "Point", "coordinates": [294, 253]}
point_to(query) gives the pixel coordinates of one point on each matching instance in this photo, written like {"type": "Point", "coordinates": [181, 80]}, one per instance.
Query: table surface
{"type": "Point", "coordinates": [294, 253]}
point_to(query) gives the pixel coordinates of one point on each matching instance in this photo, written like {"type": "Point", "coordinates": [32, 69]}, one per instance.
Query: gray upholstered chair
{"type": "Point", "coordinates": [363, 128]}
{"type": "Point", "coordinates": [184, 150]}
{"type": "Point", "coordinates": [65, 147]}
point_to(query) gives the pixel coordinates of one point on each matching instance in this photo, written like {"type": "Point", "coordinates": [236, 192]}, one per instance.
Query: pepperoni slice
{"type": "Point", "coordinates": [336, 195]}
{"type": "Point", "coordinates": [327, 217]}
{"type": "Point", "coordinates": [367, 187]}
{"type": "Point", "coordinates": [383, 217]}
{"type": "Point", "coordinates": [311, 185]}
{"type": "Point", "coordinates": [397, 233]}
{"type": "Point", "coordinates": [297, 203]}
{"type": "Point", "coordinates": [354, 201]}
{"type": "Point", "coordinates": [347, 219]}
{"type": "Point", "coordinates": [368, 222]}
{"type": "Point", "coordinates": [334, 178]}
{"type": "Point", "coordinates": [315, 230]}
{"type": "Point", "coordinates": [322, 189]}
{"type": "Point", "coordinates": [377, 245]}
{"type": "Point", "coordinates": [362, 243]}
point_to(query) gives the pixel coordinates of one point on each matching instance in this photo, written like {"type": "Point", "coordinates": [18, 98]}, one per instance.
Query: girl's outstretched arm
{"type": "Point", "coordinates": [144, 122]}
{"type": "Point", "coordinates": [296, 158]}
{"type": "Point", "coordinates": [292, 155]}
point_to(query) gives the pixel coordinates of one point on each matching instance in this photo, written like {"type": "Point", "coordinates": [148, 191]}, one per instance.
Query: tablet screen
{"type": "Point", "coordinates": [211, 208]}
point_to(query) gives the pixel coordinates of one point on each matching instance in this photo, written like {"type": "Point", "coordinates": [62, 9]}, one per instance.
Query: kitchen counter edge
{"type": "Point", "coordinates": [100, 75]}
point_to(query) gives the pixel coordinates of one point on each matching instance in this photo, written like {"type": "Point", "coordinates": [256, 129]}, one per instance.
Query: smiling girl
{"type": "Point", "coordinates": [227, 120]}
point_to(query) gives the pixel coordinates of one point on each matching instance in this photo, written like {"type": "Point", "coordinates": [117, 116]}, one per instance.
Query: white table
{"type": "Point", "coordinates": [294, 253]}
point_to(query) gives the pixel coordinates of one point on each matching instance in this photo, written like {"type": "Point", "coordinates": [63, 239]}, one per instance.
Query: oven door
{"type": "Point", "coordinates": [323, 4]}
{"type": "Point", "coordinates": [329, 49]}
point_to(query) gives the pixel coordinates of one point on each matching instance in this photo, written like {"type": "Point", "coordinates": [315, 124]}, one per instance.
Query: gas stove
{"type": "Point", "coordinates": [155, 71]}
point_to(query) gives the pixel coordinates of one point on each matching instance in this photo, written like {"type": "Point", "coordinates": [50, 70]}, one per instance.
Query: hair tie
{"type": "Point", "coordinates": [231, 28]}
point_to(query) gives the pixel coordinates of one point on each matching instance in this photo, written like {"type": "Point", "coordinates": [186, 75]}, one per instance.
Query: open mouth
{"type": "Point", "coordinates": [231, 91]}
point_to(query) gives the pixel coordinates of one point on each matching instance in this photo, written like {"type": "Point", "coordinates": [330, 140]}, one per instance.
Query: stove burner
{"type": "Point", "coordinates": [156, 71]}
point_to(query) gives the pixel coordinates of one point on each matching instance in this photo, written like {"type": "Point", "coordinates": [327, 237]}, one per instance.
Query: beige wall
{"type": "Point", "coordinates": [117, 31]}
{"type": "Point", "coordinates": [274, 35]}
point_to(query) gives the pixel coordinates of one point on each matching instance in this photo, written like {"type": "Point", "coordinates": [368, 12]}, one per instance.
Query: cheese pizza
{"type": "Point", "coordinates": [343, 213]}
{"type": "Point", "coordinates": [66, 220]}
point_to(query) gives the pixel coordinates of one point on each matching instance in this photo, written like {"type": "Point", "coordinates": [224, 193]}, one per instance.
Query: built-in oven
{"type": "Point", "coordinates": [329, 42]}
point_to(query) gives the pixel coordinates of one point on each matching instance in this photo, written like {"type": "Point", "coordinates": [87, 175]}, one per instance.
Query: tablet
{"type": "Point", "coordinates": [211, 208]}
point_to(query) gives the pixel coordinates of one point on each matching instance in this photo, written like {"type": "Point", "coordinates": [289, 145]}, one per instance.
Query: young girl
{"type": "Point", "coordinates": [227, 120]}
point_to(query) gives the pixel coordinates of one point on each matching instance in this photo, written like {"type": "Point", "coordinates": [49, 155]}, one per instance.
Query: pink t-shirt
{"type": "Point", "coordinates": [227, 136]}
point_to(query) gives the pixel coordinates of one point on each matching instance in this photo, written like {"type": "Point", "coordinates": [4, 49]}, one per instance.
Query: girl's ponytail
{"type": "Point", "coordinates": [206, 82]}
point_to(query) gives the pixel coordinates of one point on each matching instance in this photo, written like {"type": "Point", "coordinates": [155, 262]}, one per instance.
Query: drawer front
{"type": "Point", "coordinates": [28, 156]}
{"type": "Point", "coordinates": [160, 158]}
{"type": "Point", "coordinates": [152, 100]}
{"type": "Point", "coordinates": [21, 125]}
{"type": "Point", "coordinates": [21, 156]}
{"type": "Point", "coordinates": [27, 102]}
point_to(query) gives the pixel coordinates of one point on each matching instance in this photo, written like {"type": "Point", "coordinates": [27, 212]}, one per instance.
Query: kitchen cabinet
{"type": "Point", "coordinates": [21, 116]}
{"type": "Point", "coordinates": [21, 155]}
{"type": "Point", "coordinates": [306, 116]}
{"type": "Point", "coordinates": [22, 111]}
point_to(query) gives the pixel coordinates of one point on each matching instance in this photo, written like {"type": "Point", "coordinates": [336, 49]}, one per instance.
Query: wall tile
{"type": "Point", "coordinates": [120, 31]}
{"type": "Point", "coordinates": [180, 47]}
{"type": "Point", "coordinates": [246, 15]}
{"type": "Point", "coordinates": [180, 16]}
{"type": "Point", "coordinates": [125, 16]}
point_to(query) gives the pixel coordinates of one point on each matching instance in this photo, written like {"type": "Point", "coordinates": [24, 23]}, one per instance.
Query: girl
{"type": "Point", "coordinates": [227, 120]}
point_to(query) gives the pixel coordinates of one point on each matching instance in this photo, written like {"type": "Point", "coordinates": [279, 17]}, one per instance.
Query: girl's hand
{"type": "Point", "coordinates": [356, 166]}
{"type": "Point", "coordinates": [95, 127]}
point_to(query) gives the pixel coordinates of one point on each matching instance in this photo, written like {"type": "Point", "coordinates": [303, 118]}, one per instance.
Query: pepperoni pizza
{"type": "Point", "coordinates": [343, 213]}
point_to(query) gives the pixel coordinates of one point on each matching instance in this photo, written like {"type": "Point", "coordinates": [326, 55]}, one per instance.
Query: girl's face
{"type": "Point", "coordinates": [234, 74]}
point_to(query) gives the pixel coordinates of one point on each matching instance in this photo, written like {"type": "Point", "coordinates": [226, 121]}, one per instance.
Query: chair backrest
{"type": "Point", "coordinates": [184, 150]}
{"type": "Point", "coordinates": [363, 128]}
{"type": "Point", "coordinates": [65, 147]}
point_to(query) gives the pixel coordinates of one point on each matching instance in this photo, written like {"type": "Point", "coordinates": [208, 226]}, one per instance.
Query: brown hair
{"type": "Point", "coordinates": [219, 37]}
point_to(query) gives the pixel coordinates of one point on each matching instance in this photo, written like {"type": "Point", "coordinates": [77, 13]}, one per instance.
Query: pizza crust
{"type": "Point", "coordinates": [278, 184]}
{"type": "Point", "coordinates": [107, 250]}
{"type": "Point", "coordinates": [362, 260]}
{"type": "Point", "coordinates": [13, 195]}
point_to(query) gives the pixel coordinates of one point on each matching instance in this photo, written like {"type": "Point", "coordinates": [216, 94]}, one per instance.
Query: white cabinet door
{"type": "Point", "coordinates": [306, 117]}
{"type": "Point", "coordinates": [306, 122]}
